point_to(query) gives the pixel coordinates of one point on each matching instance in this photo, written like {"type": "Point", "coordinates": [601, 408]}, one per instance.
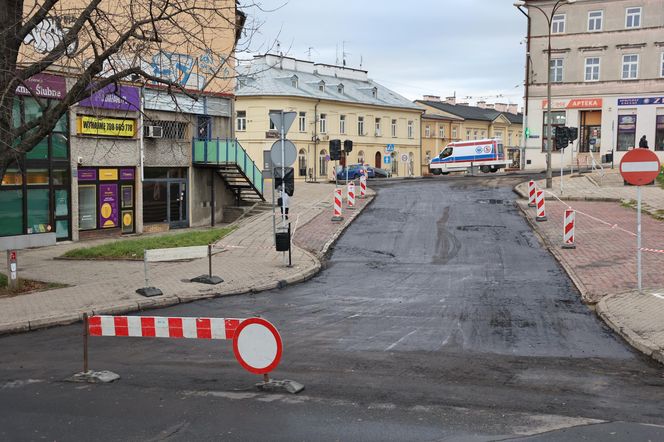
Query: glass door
{"type": "Point", "coordinates": [177, 204]}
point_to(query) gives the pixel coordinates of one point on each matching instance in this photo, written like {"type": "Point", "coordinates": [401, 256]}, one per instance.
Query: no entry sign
{"type": "Point", "coordinates": [639, 167]}
{"type": "Point", "coordinates": [257, 345]}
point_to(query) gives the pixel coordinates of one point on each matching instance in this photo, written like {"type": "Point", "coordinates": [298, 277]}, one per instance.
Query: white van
{"type": "Point", "coordinates": [488, 155]}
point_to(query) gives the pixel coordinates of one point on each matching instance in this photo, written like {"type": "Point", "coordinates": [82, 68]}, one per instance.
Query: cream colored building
{"type": "Point", "coordinates": [331, 102]}
{"type": "Point", "coordinates": [607, 76]}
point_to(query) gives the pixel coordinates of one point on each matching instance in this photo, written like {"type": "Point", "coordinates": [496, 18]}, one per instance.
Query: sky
{"type": "Point", "coordinates": [474, 48]}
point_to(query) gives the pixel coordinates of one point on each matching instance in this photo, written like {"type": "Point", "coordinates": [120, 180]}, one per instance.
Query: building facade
{"type": "Point", "coordinates": [331, 102]}
{"type": "Point", "coordinates": [447, 121]}
{"type": "Point", "coordinates": [607, 78]}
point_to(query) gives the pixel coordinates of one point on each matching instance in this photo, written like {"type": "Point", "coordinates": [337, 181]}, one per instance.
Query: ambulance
{"type": "Point", "coordinates": [488, 155]}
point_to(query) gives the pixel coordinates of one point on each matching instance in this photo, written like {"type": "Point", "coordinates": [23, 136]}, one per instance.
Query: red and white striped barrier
{"type": "Point", "coordinates": [363, 186]}
{"type": "Point", "coordinates": [568, 229]}
{"type": "Point", "coordinates": [541, 211]}
{"type": "Point", "coordinates": [351, 195]}
{"type": "Point", "coordinates": [532, 190]}
{"type": "Point", "coordinates": [337, 206]}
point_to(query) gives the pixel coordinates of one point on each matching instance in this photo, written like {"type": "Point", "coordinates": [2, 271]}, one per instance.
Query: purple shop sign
{"type": "Point", "coordinates": [44, 86]}
{"type": "Point", "coordinates": [108, 206]}
{"type": "Point", "coordinates": [127, 174]}
{"type": "Point", "coordinates": [118, 97]}
{"type": "Point", "coordinates": [87, 174]}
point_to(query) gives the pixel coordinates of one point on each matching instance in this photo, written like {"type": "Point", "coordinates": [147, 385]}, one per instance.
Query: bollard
{"type": "Point", "coordinates": [351, 195]}
{"type": "Point", "coordinates": [337, 206]}
{"type": "Point", "coordinates": [532, 189]}
{"type": "Point", "coordinates": [363, 186]}
{"type": "Point", "coordinates": [568, 229]}
{"type": "Point", "coordinates": [541, 212]}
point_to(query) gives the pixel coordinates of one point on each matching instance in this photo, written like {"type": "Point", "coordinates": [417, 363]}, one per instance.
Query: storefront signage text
{"type": "Point", "coordinates": [637, 101]}
{"type": "Point", "coordinates": [576, 103]}
{"type": "Point", "coordinates": [111, 127]}
{"type": "Point", "coordinates": [118, 97]}
{"type": "Point", "coordinates": [108, 174]}
{"type": "Point", "coordinates": [43, 86]}
{"type": "Point", "coordinates": [87, 174]}
{"type": "Point", "coordinates": [127, 174]}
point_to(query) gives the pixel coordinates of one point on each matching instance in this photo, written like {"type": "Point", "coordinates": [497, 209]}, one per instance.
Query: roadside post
{"type": "Point", "coordinates": [12, 244]}
{"type": "Point", "coordinates": [209, 278]}
{"type": "Point", "coordinates": [568, 229]}
{"type": "Point", "coordinates": [639, 167]}
{"type": "Point", "coordinates": [532, 190]}
{"type": "Point", "coordinates": [12, 277]}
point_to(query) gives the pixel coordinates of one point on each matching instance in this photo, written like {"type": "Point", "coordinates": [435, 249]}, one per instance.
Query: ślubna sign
{"type": "Point", "coordinates": [107, 127]}
{"type": "Point", "coordinates": [43, 86]}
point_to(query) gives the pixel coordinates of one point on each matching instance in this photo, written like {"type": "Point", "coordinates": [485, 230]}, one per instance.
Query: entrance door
{"type": "Point", "coordinates": [378, 160]}
{"type": "Point", "coordinates": [590, 137]}
{"type": "Point", "coordinates": [177, 204]}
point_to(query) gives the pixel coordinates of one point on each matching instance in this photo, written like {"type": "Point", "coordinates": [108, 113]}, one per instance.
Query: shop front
{"type": "Point", "coordinates": [106, 199]}
{"type": "Point", "coordinates": [165, 196]}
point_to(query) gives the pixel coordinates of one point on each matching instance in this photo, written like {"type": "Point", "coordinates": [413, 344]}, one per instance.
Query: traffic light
{"type": "Point", "coordinates": [335, 149]}
{"type": "Point", "coordinates": [289, 181]}
{"type": "Point", "coordinates": [527, 132]}
{"type": "Point", "coordinates": [573, 134]}
{"type": "Point", "coordinates": [561, 134]}
{"type": "Point", "coordinates": [348, 146]}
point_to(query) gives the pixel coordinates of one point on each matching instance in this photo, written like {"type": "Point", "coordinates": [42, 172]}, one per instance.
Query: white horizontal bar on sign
{"type": "Point", "coordinates": [641, 166]}
{"type": "Point", "coordinates": [176, 253]}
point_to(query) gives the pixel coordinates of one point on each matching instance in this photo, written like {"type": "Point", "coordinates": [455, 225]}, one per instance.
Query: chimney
{"type": "Point", "coordinates": [431, 98]}
{"type": "Point", "coordinates": [501, 107]}
{"type": "Point", "coordinates": [512, 109]}
{"type": "Point", "coordinates": [490, 106]}
{"type": "Point", "coordinates": [463, 104]}
{"type": "Point", "coordinates": [450, 100]}
{"type": "Point", "coordinates": [481, 104]}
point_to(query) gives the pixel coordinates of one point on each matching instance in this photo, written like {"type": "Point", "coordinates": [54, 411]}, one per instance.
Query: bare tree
{"type": "Point", "coordinates": [179, 45]}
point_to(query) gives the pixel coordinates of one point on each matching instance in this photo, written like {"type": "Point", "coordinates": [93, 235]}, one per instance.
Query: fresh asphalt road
{"type": "Point", "coordinates": [439, 317]}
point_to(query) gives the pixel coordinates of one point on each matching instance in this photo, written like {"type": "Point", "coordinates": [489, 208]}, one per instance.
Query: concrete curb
{"type": "Point", "coordinates": [523, 194]}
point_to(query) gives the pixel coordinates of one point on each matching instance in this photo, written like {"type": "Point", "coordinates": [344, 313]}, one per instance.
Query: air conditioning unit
{"type": "Point", "coordinates": [154, 132]}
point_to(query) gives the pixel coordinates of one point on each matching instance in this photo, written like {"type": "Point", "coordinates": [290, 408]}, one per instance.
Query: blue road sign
{"type": "Point", "coordinates": [387, 159]}
{"type": "Point", "coordinates": [389, 148]}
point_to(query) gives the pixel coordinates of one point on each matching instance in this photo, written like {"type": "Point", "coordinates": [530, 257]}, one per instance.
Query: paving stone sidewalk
{"type": "Point", "coordinates": [247, 261]}
{"type": "Point", "coordinates": [603, 265]}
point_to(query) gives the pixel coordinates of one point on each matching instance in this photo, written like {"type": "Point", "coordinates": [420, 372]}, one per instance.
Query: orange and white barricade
{"type": "Point", "coordinates": [532, 189]}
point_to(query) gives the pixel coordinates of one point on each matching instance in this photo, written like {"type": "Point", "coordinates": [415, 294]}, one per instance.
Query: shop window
{"type": "Point", "coordinates": [59, 146]}
{"type": "Point", "coordinates": [60, 177]}
{"type": "Point", "coordinates": [154, 202]}
{"type": "Point", "coordinates": [39, 152]}
{"type": "Point", "coordinates": [558, 118]}
{"type": "Point", "coordinates": [62, 228]}
{"type": "Point", "coordinates": [37, 177]}
{"type": "Point", "coordinates": [13, 177]}
{"type": "Point", "coordinates": [626, 132]}
{"type": "Point", "coordinates": [61, 202]}
{"type": "Point", "coordinates": [38, 210]}
{"type": "Point", "coordinates": [659, 133]}
{"type": "Point", "coordinates": [11, 212]}
{"type": "Point", "coordinates": [87, 207]}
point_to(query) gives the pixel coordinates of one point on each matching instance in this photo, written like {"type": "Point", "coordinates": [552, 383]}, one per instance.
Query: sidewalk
{"type": "Point", "coordinates": [247, 262]}
{"type": "Point", "coordinates": [603, 265]}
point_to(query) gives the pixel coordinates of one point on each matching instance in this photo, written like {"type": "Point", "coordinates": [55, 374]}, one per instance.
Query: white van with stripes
{"type": "Point", "coordinates": [487, 154]}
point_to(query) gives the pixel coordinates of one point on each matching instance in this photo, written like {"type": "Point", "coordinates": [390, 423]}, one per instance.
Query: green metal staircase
{"type": "Point", "coordinates": [229, 159]}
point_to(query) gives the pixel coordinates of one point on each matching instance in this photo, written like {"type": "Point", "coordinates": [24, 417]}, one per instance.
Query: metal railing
{"type": "Point", "coordinates": [226, 151]}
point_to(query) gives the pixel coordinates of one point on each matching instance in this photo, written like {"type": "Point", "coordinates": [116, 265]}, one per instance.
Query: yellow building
{"type": "Point", "coordinates": [464, 122]}
{"type": "Point", "coordinates": [331, 102]}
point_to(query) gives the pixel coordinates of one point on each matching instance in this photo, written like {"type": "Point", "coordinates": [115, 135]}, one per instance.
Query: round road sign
{"type": "Point", "coordinates": [290, 153]}
{"type": "Point", "coordinates": [639, 166]}
{"type": "Point", "coordinates": [257, 345]}
{"type": "Point", "coordinates": [404, 158]}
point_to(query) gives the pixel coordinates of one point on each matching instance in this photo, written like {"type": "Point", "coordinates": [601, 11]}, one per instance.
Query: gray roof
{"type": "Point", "coordinates": [261, 77]}
{"type": "Point", "coordinates": [440, 117]}
{"type": "Point", "coordinates": [472, 112]}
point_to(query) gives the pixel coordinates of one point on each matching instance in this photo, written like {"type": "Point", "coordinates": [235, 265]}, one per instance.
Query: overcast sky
{"type": "Point", "coordinates": [419, 47]}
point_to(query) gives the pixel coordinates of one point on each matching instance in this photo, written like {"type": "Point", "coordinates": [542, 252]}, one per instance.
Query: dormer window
{"type": "Point", "coordinates": [321, 86]}
{"type": "Point", "coordinates": [294, 81]}
{"type": "Point", "coordinates": [374, 92]}
{"type": "Point", "coordinates": [340, 88]}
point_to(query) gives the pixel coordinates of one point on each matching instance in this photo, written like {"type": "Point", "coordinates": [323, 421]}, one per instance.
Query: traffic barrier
{"type": "Point", "coordinates": [351, 195]}
{"type": "Point", "coordinates": [532, 190]}
{"type": "Point", "coordinates": [337, 206]}
{"type": "Point", "coordinates": [541, 212]}
{"type": "Point", "coordinates": [257, 344]}
{"type": "Point", "coordinates": [363, 186]}
{"type": "Point", "coordinates": [568, 229]}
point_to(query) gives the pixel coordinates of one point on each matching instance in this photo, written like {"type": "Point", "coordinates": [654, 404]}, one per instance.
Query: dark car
{"type": "Point", "coordinates": [354, 172]}
{"type": "Point", "coordinates": [376, 172]}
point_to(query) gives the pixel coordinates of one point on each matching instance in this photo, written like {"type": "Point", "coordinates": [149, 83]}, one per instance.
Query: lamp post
{"type": "Point", "coordinates": [549, 19]}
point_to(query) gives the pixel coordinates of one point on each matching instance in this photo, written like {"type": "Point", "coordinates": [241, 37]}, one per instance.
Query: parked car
{"type": "Point", "coordinates": [354, 172]}
{"type": "Point", "coordinates": [376, 172]}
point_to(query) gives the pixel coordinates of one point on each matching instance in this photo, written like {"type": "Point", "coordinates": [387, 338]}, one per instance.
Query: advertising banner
{"type": "Point", "coordinates": [117, 97]}
{"type": "Point", "coordinates": [87, 174]}
{"type": "Point", "coordinates": [110, 127]}
{"type": "Point", "coordinates": [108, 206]}
{"type": "Point", "coordinates": [638, 101]}
{"type": "Point", "coordinates": [44, 86]}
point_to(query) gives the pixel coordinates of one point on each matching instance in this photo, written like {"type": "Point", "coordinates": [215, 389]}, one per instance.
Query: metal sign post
{"type": "Point", "coordinates": [638, 238]}
{"type": "Point", "coordinates": [12, 272]}
{"type": "Point", "coordinates": [562, 151]}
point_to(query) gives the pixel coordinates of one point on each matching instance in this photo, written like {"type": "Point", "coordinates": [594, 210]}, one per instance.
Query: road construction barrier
{"type": "Point", "coordinates": [363, 186]}
{"type": "Point", "coordinates": [351, 195]}
{"type": "Point", "coordinates": [541, 211]}
{"type": "Point", "coordinates": [532, 190]}
{"type": "Point", "coordinates": [568, 229]}
{"type": "Point", "coordinates": [256, 342]}
{"type": "Point", "coordinates": [337, 206]}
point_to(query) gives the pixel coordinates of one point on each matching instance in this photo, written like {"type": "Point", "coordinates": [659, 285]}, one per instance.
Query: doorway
{"type": "Point", "coordinates": [177, 202]}
{"type": "Point", "coordinates": [590, 137]}
{"type": "Point", "coordinates": [378, 159]}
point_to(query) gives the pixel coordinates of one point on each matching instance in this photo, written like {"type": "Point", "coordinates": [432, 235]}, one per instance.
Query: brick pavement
{"type": "Point", "coordinates": [603, 265]}
{"type": "Point", "coordinates": [247, 261]}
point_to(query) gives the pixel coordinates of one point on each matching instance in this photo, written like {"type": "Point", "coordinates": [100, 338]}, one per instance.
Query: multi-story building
{"type": "Point", "coordinates": [332, 102]}
{"type": "Point", "coordinates": [607, 77]}
{"type": "Point", "coordinates": [447, 121]}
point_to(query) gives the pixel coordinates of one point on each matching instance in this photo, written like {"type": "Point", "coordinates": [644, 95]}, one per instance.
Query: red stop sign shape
{"type": "Point", "coordinates": [639, 166]}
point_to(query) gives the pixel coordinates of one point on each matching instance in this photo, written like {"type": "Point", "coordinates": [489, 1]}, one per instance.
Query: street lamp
{"type": "Point", "coordinates": [549, 141]}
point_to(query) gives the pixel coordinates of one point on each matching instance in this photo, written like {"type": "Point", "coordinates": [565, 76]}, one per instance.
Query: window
{"type": "Point", "coordinates": [475, 134]}
{"type": "Point", "coordinates": [394, 122]}
{"type": "Point", "coordinates": [509, 138]}
{"type": "Point", "coordinates": [340, 88]}
{"type": "Point", "coordinates": [558, 24]}
{"type": "Point", "coordinates": [626, 132]}
{"type": "Point", "coordinates": [342, 124]}
{"type": "Point", "coordinates": [592, 69]}
{"type": "Point", "coordinates": [454, 132]}
{"type": "Point", "coordinates": [467, 134]}
{"type": "Point", "coordinates": [630, 67]}
{"type": "Point", "coordinates": [498, 134]}
{"type": "Point", "coordinates": [241, 120]}
{"type": "Point", "coordinates": [378, 127]}
{"type": "Point", "coordinates": [360, 157]}
{"type": "Point", "coordinates": [302, 163]}
{"type": "Point", "coordinates": [557, 70]}
{"type": "Point", "coordinates": [633, 18]}
{"type": "Point", "coordinates": [321, 86]}
{"type": "Point", "coordinates": [441, 132]}
{"type": "Point", "coordinates": [427, 131]}
{"type": "Point", "coordinates": [410, 129]}
{"type": "Point", "coordinates": [272, 126]}
{"type": "Point", "coordinates": [294, 81]}
{"type": "Point", "coordinates": [360, 126]}
{"type": "Point", "coordinates": [323, 123]}
{"type": "Point", "coordinates": [322, 162]}
{"type": "Point", "coordinates": [659, 133]}
{"type": "Point", "coordinates": [595, 21]}
{"type": "Point", "coordinates": [558, 118]}
{"type": "Point", "coordinates": [172, 130]}
{"type": "Point", "coordinates": [302, 120]}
